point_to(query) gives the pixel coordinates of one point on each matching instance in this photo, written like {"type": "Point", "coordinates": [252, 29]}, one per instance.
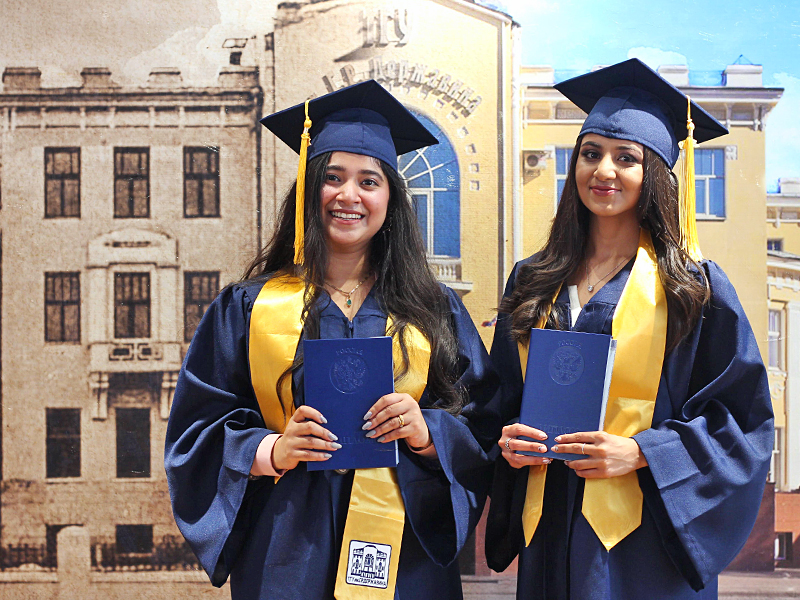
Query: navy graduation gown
{"type": "Point", "coordinates": [282, 540]}
{"type": "Point", "coordinates": [708, 452]}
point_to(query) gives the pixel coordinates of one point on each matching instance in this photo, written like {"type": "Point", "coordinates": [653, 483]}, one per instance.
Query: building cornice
{"type": "Point", "coordinates": [785, 263]}
{"type": "Point", "coordinates": [77, 97]}
{"type": "Point", "coordinates": [711, 95]}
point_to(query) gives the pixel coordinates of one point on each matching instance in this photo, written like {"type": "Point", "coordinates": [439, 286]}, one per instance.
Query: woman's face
{"type": "Point", "coordinates": [354, 199]}
{"type": "Point", "coordinates": [609, 175]}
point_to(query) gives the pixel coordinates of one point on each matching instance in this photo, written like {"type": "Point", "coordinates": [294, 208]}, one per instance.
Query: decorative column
{"type": "Point", "coordinates": [792, 395]}
{"type": "Point", "coordinates": [168, 381]}
{"type": "Point", "coordinates": [98, 383]}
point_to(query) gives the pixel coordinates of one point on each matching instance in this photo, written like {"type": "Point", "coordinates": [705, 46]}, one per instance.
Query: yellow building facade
{"type": "Point", "coordinates": [783, 279]}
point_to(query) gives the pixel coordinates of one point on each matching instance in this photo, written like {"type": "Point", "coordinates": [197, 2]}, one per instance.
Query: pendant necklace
{"type": "Point", "coordinates": [349, 301]}
{"type": "Point", "coordinates": [590, 286]}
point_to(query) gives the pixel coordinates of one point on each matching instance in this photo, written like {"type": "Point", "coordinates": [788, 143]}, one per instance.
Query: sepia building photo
{"type": "Point", "coordinates": [124, 209]}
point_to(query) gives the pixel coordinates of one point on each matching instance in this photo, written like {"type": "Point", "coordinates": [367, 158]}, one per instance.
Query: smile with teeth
{"type": "Point", "coordinates": [346, 216]}
{"type": "Point", "coordinates": [603, 190]}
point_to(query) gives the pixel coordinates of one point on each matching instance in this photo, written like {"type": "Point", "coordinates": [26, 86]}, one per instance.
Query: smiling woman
{"type": "Point", "coordinates": [346, 261]}
{"type": "Point", "coordinates": [665, 495]}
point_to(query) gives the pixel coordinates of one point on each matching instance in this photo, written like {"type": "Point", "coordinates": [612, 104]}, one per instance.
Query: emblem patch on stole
{"type": "Point", "coordinates": [368, 564]}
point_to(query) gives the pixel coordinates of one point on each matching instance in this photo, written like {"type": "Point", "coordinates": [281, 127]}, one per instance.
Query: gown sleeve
{"type": "Point", "coordinates": [504, 527]}
{"type": "Point", "coordinates": [214, 429]}
{"type": "Point", "coordinates": [708, 460]}
{"type": "Point", "coordinates": [443, 504]}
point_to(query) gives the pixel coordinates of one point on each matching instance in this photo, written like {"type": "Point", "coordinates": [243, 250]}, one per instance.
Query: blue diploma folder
{"type": "Point", "coordinates": [566, 384]}
{"type": "Point", "coordinates": [343, 378]}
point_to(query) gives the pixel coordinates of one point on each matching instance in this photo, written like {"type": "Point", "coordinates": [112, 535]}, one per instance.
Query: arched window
{"type": "Point", "coordinates": [433, 181]}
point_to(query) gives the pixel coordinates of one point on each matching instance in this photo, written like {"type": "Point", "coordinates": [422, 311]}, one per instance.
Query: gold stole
{"type": "Point", "coordinates": [376, 512]}
{"type": "Point", "coordinates": [613, 506]}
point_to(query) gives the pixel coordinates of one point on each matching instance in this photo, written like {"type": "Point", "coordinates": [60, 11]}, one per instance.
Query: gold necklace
{"type": "Point", "coordinates": [348, 301]}
{"type": "Point", "coordinates": [590, 286]}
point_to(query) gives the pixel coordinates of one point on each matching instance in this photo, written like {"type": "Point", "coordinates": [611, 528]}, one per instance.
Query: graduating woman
{"type": "Point", "coordinates": [240, 435]}
{"type": "Point", "coordinates": [666, 495]}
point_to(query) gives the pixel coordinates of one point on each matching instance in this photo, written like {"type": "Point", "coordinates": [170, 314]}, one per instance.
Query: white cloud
{"type": "Point", "coordinates": [655, 57]}
{"type": "Point", "coordinates": [783, 132]}
{"type": "Point", "coordinates": [198, 51]}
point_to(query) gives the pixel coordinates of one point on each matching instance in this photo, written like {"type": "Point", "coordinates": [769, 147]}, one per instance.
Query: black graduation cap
{"type": "Point", "coordinates": [363, 119]}
{"type": "Point", "coordinates": [630, 101]}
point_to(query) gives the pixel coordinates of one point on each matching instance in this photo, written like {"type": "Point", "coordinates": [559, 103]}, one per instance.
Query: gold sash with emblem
{"type": "Point", "coordinates": [613, 506]}
{"type": "Point", "coordinates": [376, 513]}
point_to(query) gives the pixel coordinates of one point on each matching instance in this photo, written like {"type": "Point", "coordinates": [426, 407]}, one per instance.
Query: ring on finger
{"type": "Point", "coordinates": [507, 446]}
{"type": "Point", "coordinates": [401, 421]}
{"type": "Point", "coordinates": [583, 445]}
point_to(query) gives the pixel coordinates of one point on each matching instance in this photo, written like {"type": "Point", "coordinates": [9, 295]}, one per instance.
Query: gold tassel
{"type": "Point", "coordinates": [299, 206]}
{"type": "Point", "coordinates": [689, 240]}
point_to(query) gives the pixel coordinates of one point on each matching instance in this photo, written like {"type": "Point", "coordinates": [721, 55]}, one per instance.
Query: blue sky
{"type": "Point", "coordinates": [575, 35]}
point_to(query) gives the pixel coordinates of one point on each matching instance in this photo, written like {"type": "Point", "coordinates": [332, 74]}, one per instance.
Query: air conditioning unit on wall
{"type": "Point", "coordinates": [534, 162]}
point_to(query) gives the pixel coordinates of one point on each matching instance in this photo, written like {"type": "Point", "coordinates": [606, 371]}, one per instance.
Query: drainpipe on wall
{"type": "Point", "coordinates": [516, 152]}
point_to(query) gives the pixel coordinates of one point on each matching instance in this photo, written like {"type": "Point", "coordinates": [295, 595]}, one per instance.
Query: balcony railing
{"type": "Point", "coordinates": [25, 557]}
{"type": "Point", "coordinates": [171, 554]}
{"type": "Point", "coordinates": [142, 355]}
{"type": "Point", "coordinates": [448, 270]}
{"type": "Point", "coordinates": [783, 210]}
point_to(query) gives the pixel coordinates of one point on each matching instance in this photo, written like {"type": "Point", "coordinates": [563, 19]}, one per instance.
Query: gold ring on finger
{"type": "Point", "coordinates": [402, 421]}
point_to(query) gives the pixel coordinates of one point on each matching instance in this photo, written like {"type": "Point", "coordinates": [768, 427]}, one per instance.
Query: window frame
{"type": "Point", "coordinates": [131, 179]}
{"type": "Point", "coordinates": [123, 442]}
{"type": "Point", "coordinates": [434, 173]}
{"type": "Point", "coordinates": [133, 303]}
{"type": "Point", "coordinates": [131, 530]}
{"type": "Point", "coordinates": [775, 336]}
{"type": "Point", "coordinates": [50, 278]}
{"type": "Point", "coordinates": [56, 450]}
{"type": "Point", "coordinates": [190, 175]}
{"type": "Point", "coordinates": [705, 213]}
{"type": "Point", "coordinates": [775, 242]}
{"type": "Point", "coordinates": [74, 175]}
{"type": "Point", "coordinates": [561, 178]}
{"type": "Point", "coordinates": [203, 302]}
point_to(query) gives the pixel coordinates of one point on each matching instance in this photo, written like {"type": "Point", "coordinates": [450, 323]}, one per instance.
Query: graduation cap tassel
{"type": "Point", "coordinates": [689, 240]}
{"type": "Point", "coordinates": [299, 221]}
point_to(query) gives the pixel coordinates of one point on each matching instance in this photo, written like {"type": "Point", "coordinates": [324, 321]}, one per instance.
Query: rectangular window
{"type": "Point", "coordinates": [63, 443]}
{"type": "Point", "coordinates": [132, 305]}
{"type": "Point", "coordinates": [200, 182]}
{"type": "Point", "coordinates": [775, 340]}
{"type": "Point", "coordinates": [775, 474]}
{"type": "Point", "coordinates": [131, 183]}
{"type": "Point", "coordinates": [424, 209]}
{"type": "Point", "coordinates": [199, 290]}
{"type": "Point", "coordinates": [134, 539]}
{"type": "Point", "coordinates": [563, 158]}
{"type": "Point", "coordinates": [133, 442]}
{"type": "Point", "coordinates": [62, 182]}
{"type": "Point", "coordinates": [783, 546]}
{"type": "Point", "coordinates": [709, 169]}
{"type": "Point", "coordinates": [62, 307]}
{"type": "Point", "coordinates": [776, 245]}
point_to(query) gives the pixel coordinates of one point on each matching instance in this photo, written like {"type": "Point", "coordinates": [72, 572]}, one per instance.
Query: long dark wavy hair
{"type": "Point", "coordinates": [684, 282]}
{"type": "Point", "coordinates": [405, 285]}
